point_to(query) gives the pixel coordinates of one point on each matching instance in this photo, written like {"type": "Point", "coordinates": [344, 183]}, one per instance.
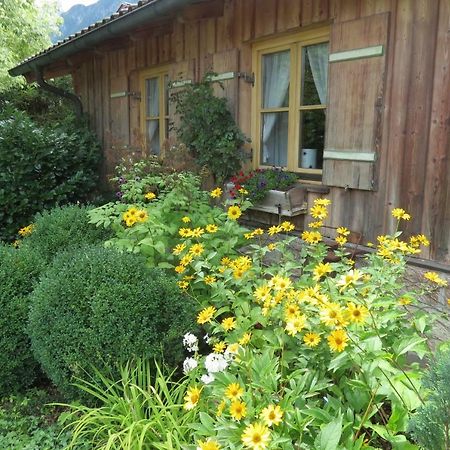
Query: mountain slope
{"type": "Point", "coordinates": [80, 16]}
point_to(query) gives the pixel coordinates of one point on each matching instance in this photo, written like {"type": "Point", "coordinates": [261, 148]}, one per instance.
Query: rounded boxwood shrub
{"type": "Point", "coordinates": [95, 307]}
{"type": "Point", "coordinates": [18, 273]}
{"type": "Point", "coordinates": [60, 229]}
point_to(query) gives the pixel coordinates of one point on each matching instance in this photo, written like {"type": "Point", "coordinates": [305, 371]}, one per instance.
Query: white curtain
{"type": "Point", "coordinates": [152, 108]}
{"type": "Point", "coordinates": [276, 67]}
{"type": "Point", "coordinates": [318, 61]}
{"type": "Point", "coordinates": [153, 136]}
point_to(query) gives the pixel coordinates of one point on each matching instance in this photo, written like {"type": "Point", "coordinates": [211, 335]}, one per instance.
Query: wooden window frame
{"type": "Point", "coordinates": [294, 43]}
{"type": "Point", "coordinates": [156, 72]}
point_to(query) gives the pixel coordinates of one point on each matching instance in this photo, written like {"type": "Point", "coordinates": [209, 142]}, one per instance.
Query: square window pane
{"type": "Point", "coordinates": [314, 74]}
{"type": "Point", "coordinates": [312, 141]}
{"type": "Point", "coordinates": [275, 79]}
{"type": "Point", "coordinates": [153, 136]}
{"type": "Point", "coordinates": [152, 97]}
{"type": "Point", "coordinates": [274, 139]}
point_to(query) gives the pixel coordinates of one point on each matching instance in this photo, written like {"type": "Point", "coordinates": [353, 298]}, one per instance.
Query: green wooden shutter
{"type": "Point", "coordinates": [357, 73]}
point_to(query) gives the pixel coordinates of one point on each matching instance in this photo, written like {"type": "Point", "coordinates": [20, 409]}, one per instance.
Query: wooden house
{"type": "Point", "coordinates": [354, 95]}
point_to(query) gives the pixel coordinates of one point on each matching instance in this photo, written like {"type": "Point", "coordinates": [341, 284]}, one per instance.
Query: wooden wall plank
{"type": "Point", "coordinates": [248, 26]}
{"type": "Point", "coordinates": [265, 18]}
{"type": "Point", "coordinates": [288, 14]}
{"type": "Point", "coordinates": [425, 15]}
{"type": "Point", "coordinates": [436, 207]}
{"type": "Point", "coordinates": [348, 10]}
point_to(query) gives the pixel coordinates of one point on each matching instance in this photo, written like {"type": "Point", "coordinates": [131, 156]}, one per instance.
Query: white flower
{"type": "Point", "coordinates": [208, 378]}
{"type": "Point", "coordinates": [190, 342]}
{"type": "Point", "coordinates": [189, 364]}
{"type": "Point", "coordinates": [215, 362]}
{"type": "Point", "coordinates": [207, 338]}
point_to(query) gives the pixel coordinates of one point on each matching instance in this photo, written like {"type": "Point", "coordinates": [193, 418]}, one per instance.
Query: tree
{"type": "Point", "coordinates": [25, 29]}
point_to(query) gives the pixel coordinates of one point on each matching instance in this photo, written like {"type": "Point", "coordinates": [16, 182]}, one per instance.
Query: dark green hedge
{"type": "Point", "coordinates": [42, 166]}
{"type": "Point", "coordinates": [18, 274]}
{"type": "Point", "coordinates": [97, 307]}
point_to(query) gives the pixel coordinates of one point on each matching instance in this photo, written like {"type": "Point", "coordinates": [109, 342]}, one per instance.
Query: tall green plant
{"type": "Point", "coordinates": [143, 410]}
{"type": "Point", "coordinates": [208, 129]}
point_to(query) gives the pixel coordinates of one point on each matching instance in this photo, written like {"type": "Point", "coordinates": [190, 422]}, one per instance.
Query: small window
{"type": "Point", "coordinates": [155, 108]}
{"type": "Point", "coordinates": [290, 102]}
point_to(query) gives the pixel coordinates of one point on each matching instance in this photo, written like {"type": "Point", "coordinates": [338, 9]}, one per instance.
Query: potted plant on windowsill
{"type": "Point", "coordinates": [270, 190]}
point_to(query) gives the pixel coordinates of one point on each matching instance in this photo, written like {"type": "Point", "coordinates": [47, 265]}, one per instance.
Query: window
{"type": "Point", "coordinates": [155, 108]}
{"type": "Point", "coordinates": [289, 101]}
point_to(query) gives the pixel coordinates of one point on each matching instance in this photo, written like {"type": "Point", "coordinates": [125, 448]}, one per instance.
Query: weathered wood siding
{"type": "Point", "coordinates": [413, 167]}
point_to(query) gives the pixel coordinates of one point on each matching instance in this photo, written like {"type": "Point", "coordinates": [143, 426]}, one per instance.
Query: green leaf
{"type": "Point", "coordinates": [329, 436]}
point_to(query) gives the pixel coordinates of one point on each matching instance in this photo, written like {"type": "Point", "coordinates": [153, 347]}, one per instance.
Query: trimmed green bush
{"type": "Point", "coordinates": [18, 272]}
{"type": "Point", "coordinates": [97, 307]}
{"type": "Point", "coordinates": [60, 229]}
{"type": "Point", "coordinates": [42, 166]}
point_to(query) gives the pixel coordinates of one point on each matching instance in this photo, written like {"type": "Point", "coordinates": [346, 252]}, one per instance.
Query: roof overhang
{"type": "Point", "coordinates": [146, 12]}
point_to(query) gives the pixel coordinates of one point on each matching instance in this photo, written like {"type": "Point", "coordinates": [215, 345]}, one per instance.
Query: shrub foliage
{"type": "Point", "coordinates": [42, 166]}
{"type": "Point", "coordinates": [97, 307]}
{"type": "Point", "coordinates": [18, 270]}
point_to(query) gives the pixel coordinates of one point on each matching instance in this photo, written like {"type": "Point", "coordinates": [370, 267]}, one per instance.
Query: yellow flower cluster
{"type": "Point", "coordinates": [216, 193]}
{"type": "Point", "coordinates": [134, 215]}
{"type": "Point", "coordinates": [240, 265]}
{"type": "Point", "coordinates": [435, 278]}
{"type": "Point", "coordinates": [311, 237]}
{"type": "Point", "coordinates": [255, 232]}
{"type": "Point", "coordinates": [191, 232]}
{"type": "Point", "coordinates": [25, 231]}
{"type": "Point", "coordinates": [400, 213]}
{"type": "Point", "coordinates": [150, 196]}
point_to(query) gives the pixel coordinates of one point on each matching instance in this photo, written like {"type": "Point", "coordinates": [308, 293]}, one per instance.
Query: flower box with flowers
{"type": "Point", "coordinates": [271, 190]}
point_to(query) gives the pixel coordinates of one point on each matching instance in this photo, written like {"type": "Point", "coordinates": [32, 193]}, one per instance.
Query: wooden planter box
{"type": "Point", "coordinates": [289, 203]}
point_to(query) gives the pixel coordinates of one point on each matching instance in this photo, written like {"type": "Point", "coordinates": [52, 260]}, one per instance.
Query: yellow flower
{"type": "Point", "coordinates": [209, 279]}
{"type": "Point", "coordinates": [191, 398]}
{"type": "Point", "coordinates": [404, 301]}
{"type": "Point", "coordinates": [322, 201]}
{"type": "Point", "coordinates": [435, 278]}
{"type": "Point", "coordinates": [280, 283]}
{"type": "Point", "coordinates": [448, 301]}
{"type": "Point", "coordinates": [186, 260]}
{"type": "Point", "coordinates": [420, 239]}
{"type": "Point", "coordinates": [197, 232]}
{"type": "Point", "coordinates": [341, 240]}
{"type": "Point", "coordinates": [291, 310]}
{"type": "Point", "coordinates": [311, 339]}
{"type": "Point", "coordinates": [349, 278]}
{"type": "Point", "coordinates": [249, 235]}
{"type": "Point", "coordinates": [337, 340]}
{"type": "Point", "coordinates": [331, 315]}
{"type": "Point", "coordinates": [245, 339]}
{"type": "Point", "coordinates": [295, 324]}
{"type": "Point", "coordinates": [215, 193]}
{"type": "Point", "coordinates": [229, 323]}
{"type": "Point", "coordinates": [356, 313]}
{"type": "Point", "coordinates": [319, 212]}
{"type": "Point", "coordinates": [186, 219]}
{"type": "Point", "coordinates": [25, 231]}
{"type": "Point", "coordinates": [150, 196]}
{"type": "Point", "coordinates": [287, 226]}
{"type": "Point", "coordinates": [343, 230]}
{"type": "Point", "coordinates": [183, 285]}
{"type": "Point", "coordinates": [311, 237]}
{"type": "Point", "coordinates": [211, 228]}
{"type": "Point", "coordinates": [180, 269]}
{"type": "Point", "coordinates": [234, 212]}
{"type": "Point", "coordinates": [243, 191]}
{"type": "Point", "coordinates": [274, 230]}
{"type": "Point", "coordinates": [184, 232]}
{"type": "Point", "coordinates": [178, 249]}
{"type": "Point", "coordinates": [132, 211]}
{"type": "Point", "coordinates": [320, 270]}
{"type": "Point", "coordinates": [400, 213]}
{"type": "Point", "coordinates": [272, 247]}
{"type": "Point", "coordinates": [234, 391]}
{"type": "Point", "coordinates": [256, 436]}
{"type": "Point", "coordinates": [219, 347]}
{"type": "Point", "coordinates": [233, 348]}
{"type": "Point", "coordinates": [258, 232]}
{"type": "Point", "coordinates": [225, 261]}
{"type": "Point", "coordinates": [209, 444]}
{"type": "Point", "coordinates": [238, 410]}
{"type": "Point", "coordinates": [197, 249]}
{"type": "Point", "coordinates": [316, 224]}
{"type": "Point", "coordinates": [271, 415]}
{"type": "Point", "coordinates": [206, 314]}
